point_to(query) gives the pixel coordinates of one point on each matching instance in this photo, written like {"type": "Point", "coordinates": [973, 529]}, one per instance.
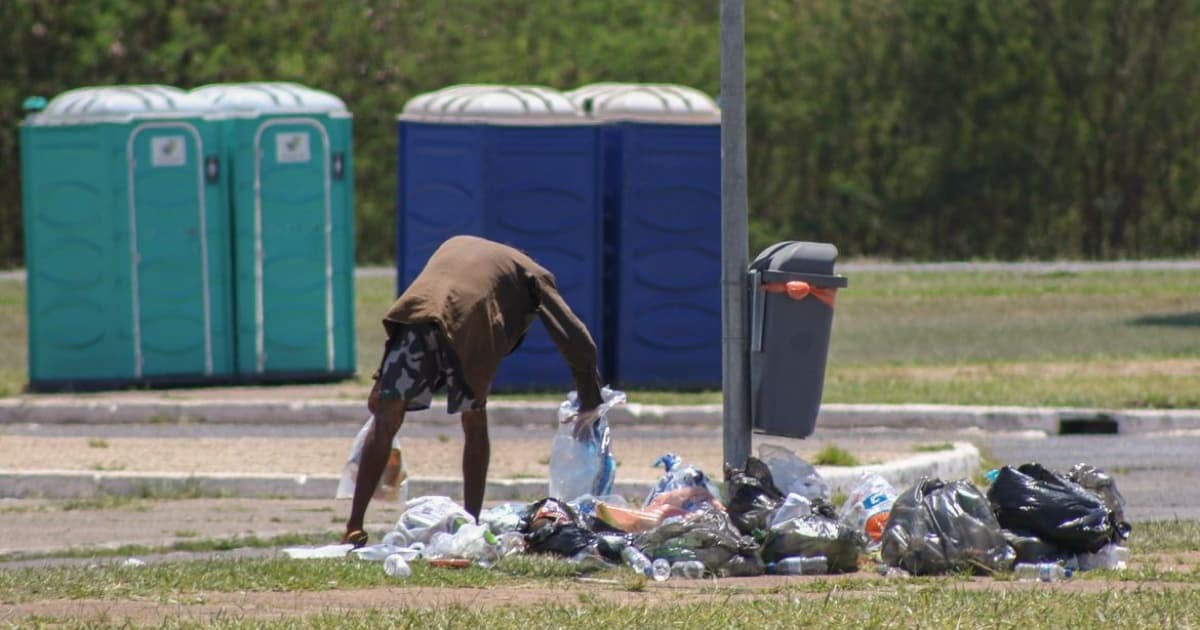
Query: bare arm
{"type": "Point", "coordinates": [573, 341]}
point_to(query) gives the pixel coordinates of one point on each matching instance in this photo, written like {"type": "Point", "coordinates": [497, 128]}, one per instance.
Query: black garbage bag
{"type": "Point", "coordinates": [552, 526]}
{"type": "Point", "coordinates": [1103, 485]}
{"type": "Point", "coordinates": [1031, 549]}
{"type": "Point", "coordinates": [751, 496]}
{"type": "Point", "coordinates": [708, 536]}
{"type": "Point", "coordinates": [1034, 499]}
{"type": "Point", "coordinates": [937, 527]}
{"type": "Point", "coordinates": [815, 534]}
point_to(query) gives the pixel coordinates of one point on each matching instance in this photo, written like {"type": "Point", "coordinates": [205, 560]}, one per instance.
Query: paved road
{"type": "Point", "coordinates": [1155, 471]}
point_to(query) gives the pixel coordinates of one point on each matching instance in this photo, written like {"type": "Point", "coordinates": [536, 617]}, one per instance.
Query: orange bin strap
{"type": "Point", "coordinates": [798, 290]}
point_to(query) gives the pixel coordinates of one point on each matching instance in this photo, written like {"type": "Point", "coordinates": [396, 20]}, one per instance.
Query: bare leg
{"type": "Point", "coordinates": [476, 455]}
{"type": "Point", "coordinates": [389, 415]}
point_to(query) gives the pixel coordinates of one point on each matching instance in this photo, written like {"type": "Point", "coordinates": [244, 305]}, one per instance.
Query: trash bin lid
{"type": "Point", "coordinates": [650, 102]}
{"type": "Point", "coordinates": [495, 104]}
{"type": "Point", "coordinates": [116, 103]}
{"type": "Point", "coordinates": [268, 97]}
{"type": "Point", "coordinates": [801, 260]}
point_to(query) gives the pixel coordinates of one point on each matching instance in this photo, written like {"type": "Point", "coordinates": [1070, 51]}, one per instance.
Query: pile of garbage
{"type": "Point", "coordinates": [775, 515]}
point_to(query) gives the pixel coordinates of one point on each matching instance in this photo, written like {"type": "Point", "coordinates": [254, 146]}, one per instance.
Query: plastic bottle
{"type": "Point", "coordinates": [396, 566]}
{"type": "Point", "coordinates": [688, 569]}
{"type": "Point", "coordinates": [1042, 571]}
{"type": "Point", "coordinates": [637, 560]}
{"type": "Point", "coordinates": [660, 569]}
{"type": "Point", "coordinates": [802, 565]}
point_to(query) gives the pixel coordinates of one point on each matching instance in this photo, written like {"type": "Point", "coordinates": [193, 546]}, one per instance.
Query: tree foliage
{"type": "Point", "coordinates": [912, 129]}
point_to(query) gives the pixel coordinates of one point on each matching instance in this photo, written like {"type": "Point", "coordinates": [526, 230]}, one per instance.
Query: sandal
{"type": "Point", "coordinates": [358, 538]}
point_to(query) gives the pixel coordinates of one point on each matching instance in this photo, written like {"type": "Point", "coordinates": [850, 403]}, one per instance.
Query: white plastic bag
{"type": "Point", "coordinates": [587, 466]}
{"type": "Point", "coordinates": [794, 506]}
{"type": "Point", "coordinates": [472, 542]}
{"type": "Point", "coordinates": [791, 474]}
{"type": "Point", "coordinates": [868, 506]}
{"type": "Point", "coordinates": [425, 516]}
{"type": "Point", "coordinates": [393, 485]}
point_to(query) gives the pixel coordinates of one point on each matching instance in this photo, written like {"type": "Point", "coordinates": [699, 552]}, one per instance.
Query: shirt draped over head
{"type": "Point", "coordinates": [484, 296]}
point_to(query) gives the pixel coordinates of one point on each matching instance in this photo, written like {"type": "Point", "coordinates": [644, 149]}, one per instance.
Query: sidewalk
{"type": "Point", "coordinates": [344, 402]}
{"type": "Point", "coordinates": [241, 463]}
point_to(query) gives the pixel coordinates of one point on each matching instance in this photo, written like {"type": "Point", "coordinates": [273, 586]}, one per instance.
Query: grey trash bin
{"type": "Point", "coordinates": [792, 288]}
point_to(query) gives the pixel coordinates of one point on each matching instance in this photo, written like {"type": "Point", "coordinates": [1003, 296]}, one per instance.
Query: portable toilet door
{"type": "Point", "coordinates": [662, 148]}
{"type": "Point", "coordinates": [289, 151]}
{"type": "Point", "coordinates": [126, 241]}
{"type": "Point", "coordinates": [514, 164]}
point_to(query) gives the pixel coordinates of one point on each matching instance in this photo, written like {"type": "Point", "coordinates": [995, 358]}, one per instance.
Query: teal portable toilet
{"type": "Point", "coordinates": [126, 240]}
{"type": "Point", "coordinates": [287, 149]}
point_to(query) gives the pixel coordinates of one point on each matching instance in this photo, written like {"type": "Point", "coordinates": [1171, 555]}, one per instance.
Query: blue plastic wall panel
{"type": "Point", "coordinates": [77, 286]}
{"type": "Point", "coordinates": [342, 240]}
{"type": "Point", "coordinates": [439, 191]}
{"type": "Point", "coordinates": [668, 324]}
{"type": "Point", "coordinates": [543, 196]}
{"type": "Point", "coordinates": [288, 266]}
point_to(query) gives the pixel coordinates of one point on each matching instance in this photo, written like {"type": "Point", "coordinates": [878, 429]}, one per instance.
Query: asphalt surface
{"type": "Point", "coordinates": [1155, 472]}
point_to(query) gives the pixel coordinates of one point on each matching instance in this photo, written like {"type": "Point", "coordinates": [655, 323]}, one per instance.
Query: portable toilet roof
{"type": "Point", "coordinates": [649, 102]}
{"type": "Point", "coordinates": [119, 103]}
{"type": "Point", "coordinates": [269, 98]}
{"type": "Point", "coordinates": [496, 104]}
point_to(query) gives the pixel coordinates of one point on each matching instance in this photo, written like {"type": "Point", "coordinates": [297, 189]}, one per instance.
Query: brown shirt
{"type": "Point", "coordinates": [484, 296]}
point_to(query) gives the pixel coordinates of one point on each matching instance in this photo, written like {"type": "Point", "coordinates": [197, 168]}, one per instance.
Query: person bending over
{"type": "Point", "coordinates": [470, 307]}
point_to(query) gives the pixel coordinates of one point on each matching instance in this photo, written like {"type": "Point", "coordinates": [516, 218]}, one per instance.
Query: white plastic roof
{"type": "Point", "coordinates": [117, 103]}
{"type": "Point", "coordinates": [498, 104]}
{"type": "Point", "coordinates": [268, 97]}
{"type": "Point", "coordinates": [654, 102]}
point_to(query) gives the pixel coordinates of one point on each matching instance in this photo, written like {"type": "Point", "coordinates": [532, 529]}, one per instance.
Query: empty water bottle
{"type": "Point", "coordinates": [396, 566]}
{"type": "Point", "coordinates": [1042, 571]}
{"type": "Point", "coordinates": [802, 565]}
{"type": "Point", "coordinates": [637, 560]}
{"type": "Point", "coordinates": [660, 569]}
{"type": "Point", "coordinates": [688, 569]}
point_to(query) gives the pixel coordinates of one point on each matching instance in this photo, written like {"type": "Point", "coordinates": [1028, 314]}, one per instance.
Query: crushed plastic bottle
{"type": "Point", "coordinates": [1041, 572]}
{"type": "Point", "coordinates": [800, 565]}
{"type": "Point", "coordinates": [1110, 556]}
{"type": "Point", "coordinates": [660, 569]}
{"type": "Point", "coordinates": [688, 569]}
{"type": "Point", "coordinates": [396, 566]}
{"type": "Point", "coordinates": [637, 560]}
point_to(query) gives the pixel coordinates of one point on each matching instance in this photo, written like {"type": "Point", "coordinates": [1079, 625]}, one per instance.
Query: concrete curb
{"type": "Point", "coordinates": [1051, 420]}
{"type": "Point", "coordinates": [962, 460]}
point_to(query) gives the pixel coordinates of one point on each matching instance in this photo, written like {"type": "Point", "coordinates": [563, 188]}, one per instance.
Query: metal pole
{"type": "Point", "coordinates": [736, 360]}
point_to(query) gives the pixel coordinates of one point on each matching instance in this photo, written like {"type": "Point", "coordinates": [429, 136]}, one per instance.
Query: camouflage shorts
{"type": "Point", "coordinates": [418, 363]}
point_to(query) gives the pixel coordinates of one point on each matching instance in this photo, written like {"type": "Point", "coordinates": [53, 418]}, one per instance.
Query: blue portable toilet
{"type": "Point", "coordinates": [517, 165]}
{"type": "Point", "coordinates": [126, 241]}
{"type": "Point", "coordinates": [662, 191]}
{"type": "Point", "coordinates": [288, 152]}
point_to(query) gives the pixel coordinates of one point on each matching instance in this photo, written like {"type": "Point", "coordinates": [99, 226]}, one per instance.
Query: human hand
{"type": "Point", "coordinates": [584, 420]}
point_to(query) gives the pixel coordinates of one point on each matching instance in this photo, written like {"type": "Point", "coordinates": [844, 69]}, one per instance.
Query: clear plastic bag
{"type": "Point", "coordinates": [469, 542]}
{"type": "Point", "coordinates": [708, 536]}
{"type": "Point", "coordinates": [676, 476]}
{"type": "Point", "coordinates": [425, 516]}
{"type": "Point", "coordinates": [505, 517]}
{"type": "Point", "coordinates": [793, 475]}
{"type": "Point", "coordinates": [393, 485]}
{"type": "Point", "coordinates": [868, 507]}
{"type": "Point", "coordinates": [583, 466]}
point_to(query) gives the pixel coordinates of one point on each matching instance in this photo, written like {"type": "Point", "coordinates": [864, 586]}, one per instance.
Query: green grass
{"type": "Point", "coordinates": [933, 448]}
{"type": "Point", "coordinates": [834, 455]}
{"type": "Point", "coordinates": [1109, 339]}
